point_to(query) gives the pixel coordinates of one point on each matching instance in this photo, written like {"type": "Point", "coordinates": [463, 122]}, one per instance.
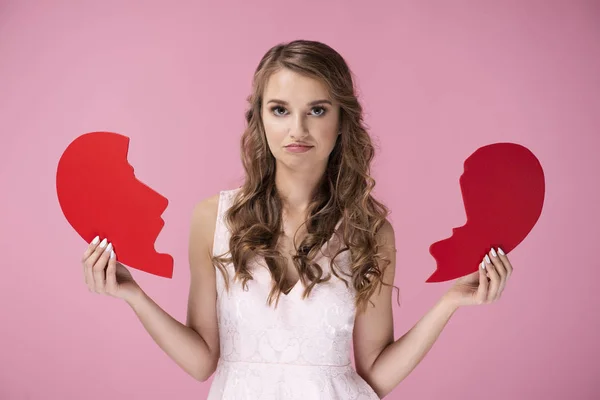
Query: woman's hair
{"type": "Point", "coordinates": [344, 193]}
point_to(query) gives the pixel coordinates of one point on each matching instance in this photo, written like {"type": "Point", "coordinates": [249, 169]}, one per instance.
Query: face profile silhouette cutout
{"type": "Point", "coordinates": [100, 196]}
{"type": "Point", "coordinates": [503, 192]}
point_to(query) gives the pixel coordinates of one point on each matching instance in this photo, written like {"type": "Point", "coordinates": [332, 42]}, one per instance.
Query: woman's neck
{"type": "Point", "coordinates": [296, 188]}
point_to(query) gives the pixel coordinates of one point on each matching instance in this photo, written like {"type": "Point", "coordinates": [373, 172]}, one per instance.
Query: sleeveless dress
{"type": "Point", "coordinates": [299, 350]}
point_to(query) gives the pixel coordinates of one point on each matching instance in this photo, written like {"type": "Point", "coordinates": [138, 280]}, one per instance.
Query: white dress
{"type": "Point", "coordinates": [299, 350]}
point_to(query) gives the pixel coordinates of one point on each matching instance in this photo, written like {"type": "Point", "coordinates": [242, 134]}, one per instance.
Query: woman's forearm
{"type": "Point", "coordinates": [183, 344]}
{"type": "Point", "coordinates": [399, 358]}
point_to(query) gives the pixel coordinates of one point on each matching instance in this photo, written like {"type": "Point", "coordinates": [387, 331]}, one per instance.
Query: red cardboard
{"type": "Point", "coordinates": [503, 193]}
{"type": "Point", "coordinates": [100, 196]}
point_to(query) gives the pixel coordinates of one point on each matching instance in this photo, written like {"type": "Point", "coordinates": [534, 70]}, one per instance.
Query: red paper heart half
{"type": "Point", "coordinates": [100, 196]}
{"type": "Point", "coordinates": [503, 193]}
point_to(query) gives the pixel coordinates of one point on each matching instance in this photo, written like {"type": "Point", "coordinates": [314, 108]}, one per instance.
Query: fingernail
{"type": "Point", "coordinates": [494, 252]}
{"type": "Point", "coordinates": [500, 251]}
{"type": "Point", "coordinates": [103, 243]}
{"type": "Point", "coordinates": [96, 240]}
{"type": "Point", "coordinates": [487, 259]}
{"type": "Point", "coordinates": [482, 265]}
{"type": "Point", "coordinates": [109, 248]}
{"type": "Point", "coordinates": [112, 254]}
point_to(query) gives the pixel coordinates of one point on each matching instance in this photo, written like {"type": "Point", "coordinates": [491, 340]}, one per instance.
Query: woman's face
{"type": "Point", "coordinates": [298, 109]}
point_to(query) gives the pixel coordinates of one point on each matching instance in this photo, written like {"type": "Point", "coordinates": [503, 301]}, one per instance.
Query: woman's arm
{"type": "Point", "coordinates": [181, 343]}
{"type": "Point", "coordinates": [195, 345]}
{"type": "Point", "coordinates": [382, 361]}
{"type": "Point", "coordinates": [400, 358]}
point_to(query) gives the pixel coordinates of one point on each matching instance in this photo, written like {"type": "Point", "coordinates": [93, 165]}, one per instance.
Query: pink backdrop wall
{"type": "Point", "coordinates": [437, 79]}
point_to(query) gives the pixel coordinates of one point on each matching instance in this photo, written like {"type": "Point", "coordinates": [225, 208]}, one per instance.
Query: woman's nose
{"type": "Point", "coordinates": [298, 129]}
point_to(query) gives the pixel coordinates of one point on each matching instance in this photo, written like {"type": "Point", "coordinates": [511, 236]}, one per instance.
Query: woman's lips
{"type": "Point", "coordinates": [298, 148]}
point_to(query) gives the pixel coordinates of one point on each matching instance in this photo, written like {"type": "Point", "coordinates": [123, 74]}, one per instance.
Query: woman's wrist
{"type": "Point", "coordinates": [136, 298]}
{"type": "Point", "coordinates": [450, 302]}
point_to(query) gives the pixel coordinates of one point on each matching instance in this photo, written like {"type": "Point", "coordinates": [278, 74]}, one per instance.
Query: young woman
{"type": "Point", "coordinates": [297, 265]}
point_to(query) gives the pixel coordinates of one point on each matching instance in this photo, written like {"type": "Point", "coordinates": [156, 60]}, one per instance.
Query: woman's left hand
{"type": "Point", "coordinates": [484, 286]}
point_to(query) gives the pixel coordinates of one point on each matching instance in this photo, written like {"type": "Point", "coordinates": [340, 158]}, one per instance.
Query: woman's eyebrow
{"type": "Point", "coordinates": [312, 103]}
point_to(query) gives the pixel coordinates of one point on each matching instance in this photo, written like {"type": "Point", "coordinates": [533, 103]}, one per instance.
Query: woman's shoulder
{"type": "Point", "coordinates": [210, 203]}
{"type": "Point", "coordinates": [204, 217]}
{"type": "Point", "coordinates": [230, 193]}
{"type": "Point", "coordinates": [206, 210]}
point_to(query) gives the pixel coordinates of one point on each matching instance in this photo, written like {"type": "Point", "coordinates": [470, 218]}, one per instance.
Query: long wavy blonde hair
{"type": "Point", "coordinates": [344, 192]}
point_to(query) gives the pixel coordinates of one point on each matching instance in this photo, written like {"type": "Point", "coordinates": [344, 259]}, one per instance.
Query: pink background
{"type": "Point", "coordinates": [437, 79]}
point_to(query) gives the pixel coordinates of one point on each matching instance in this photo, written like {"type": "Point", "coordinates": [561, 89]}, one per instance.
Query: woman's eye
{"type": "Point", "coordinates": [320, 108]}
{"type": "Point", "coordinates": [276, 108]}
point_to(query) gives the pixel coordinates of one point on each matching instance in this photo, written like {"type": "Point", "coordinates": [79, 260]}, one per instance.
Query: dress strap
{"type": "Point", "coordinates": [222, 233]}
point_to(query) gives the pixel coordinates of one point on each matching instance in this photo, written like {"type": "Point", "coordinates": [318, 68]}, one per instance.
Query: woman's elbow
{"type": "Point", "coordinates": [203, 373]}
{"type": "Point", "coordinates": [377, 387]}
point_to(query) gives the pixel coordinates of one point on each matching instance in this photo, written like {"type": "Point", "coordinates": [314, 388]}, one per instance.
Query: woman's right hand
{"type": "Point", "coordinates": [105, 275]}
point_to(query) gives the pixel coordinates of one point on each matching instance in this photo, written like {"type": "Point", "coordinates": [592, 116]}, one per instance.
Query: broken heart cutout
{"type": "Point", "coordinates": [503, 193]}
{"type": "Point", "coordinates": [99, 195]}
{"type": "Point", "coordinates": [502, 188]}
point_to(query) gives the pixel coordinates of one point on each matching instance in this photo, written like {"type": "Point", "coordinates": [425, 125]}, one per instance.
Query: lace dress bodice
{"type": "Point", "coordinates": [299, 350]}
